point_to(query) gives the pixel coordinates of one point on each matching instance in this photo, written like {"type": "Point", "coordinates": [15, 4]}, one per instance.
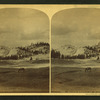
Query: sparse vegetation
{"type": "Point", "coordinates": [28, 51]}
{"type": "Point", "coordinates": [69, 72]}
{"type": "Point", "coordinates": [89, 51]}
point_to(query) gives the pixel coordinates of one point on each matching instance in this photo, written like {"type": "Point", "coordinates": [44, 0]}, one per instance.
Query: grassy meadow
{"type": "Point", "coordinates": [69, 76]}
{"type": "Point", "coordinates": [32, 80]}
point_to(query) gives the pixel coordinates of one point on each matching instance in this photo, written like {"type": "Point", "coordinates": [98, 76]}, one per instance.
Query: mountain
{"type": "Point", "coordinates": [71, 50]}
{"type": "Point", "coordinates": [24, 52]}
{"type": "Point", "coordinates": [4, 51]}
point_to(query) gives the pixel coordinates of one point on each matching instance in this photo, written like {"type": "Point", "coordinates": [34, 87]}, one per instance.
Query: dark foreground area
{"type": "Point", "coordinates": [30, 80]}
{"type": "Point", "coordinates": [67, 79]}
{"type": "Point", "coordinates": [75, 80]}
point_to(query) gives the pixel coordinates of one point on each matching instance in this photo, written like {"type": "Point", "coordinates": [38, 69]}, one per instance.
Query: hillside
{"type": "Point", "coordinates": [70, 51]}
{"type": "Point", "coordinates": [38, 49]}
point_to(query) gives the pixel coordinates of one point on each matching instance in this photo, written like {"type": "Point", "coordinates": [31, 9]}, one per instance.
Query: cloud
{"type": "Point", "coordinates": [62, 29]}
{"type": "Point", "coordinates": [76, 26]}
{"type": "Point", "coordinates": [94, 33]}
{"type": "Point", "coordinates": [36, 35]}
{"type": "Point", "coordinates": [24, 25]}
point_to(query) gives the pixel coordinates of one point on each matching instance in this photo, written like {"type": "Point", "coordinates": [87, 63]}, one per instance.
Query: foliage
{"type": "Point", "coordinates": [28, 51]}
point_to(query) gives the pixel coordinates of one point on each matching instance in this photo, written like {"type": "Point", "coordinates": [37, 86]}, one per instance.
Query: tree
{"type": "Point", "coordinates": [62, 56]}
{"type": "Point", "coordinates": [55, 54]}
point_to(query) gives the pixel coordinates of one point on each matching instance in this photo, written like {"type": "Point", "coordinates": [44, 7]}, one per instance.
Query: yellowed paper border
{"type": "Point", "coordinates": [50, 10]}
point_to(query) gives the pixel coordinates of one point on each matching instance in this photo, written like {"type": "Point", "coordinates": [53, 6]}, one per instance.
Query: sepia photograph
{"type": "Point", "coordinates": [75, 51]}
{"type": "Point", "coordinates": [49, 50]}
{"type": "Point", "coordinates": [24, 51]}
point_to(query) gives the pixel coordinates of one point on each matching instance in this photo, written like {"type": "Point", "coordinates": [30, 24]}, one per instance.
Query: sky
{"type": "Point", "coordinates": [23, 26]}
{"type": "Point", "coordinates": [76, 26]}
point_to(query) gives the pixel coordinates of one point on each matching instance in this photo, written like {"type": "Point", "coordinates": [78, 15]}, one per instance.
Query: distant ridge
{"type": "Point", "coordinates": [24, 51]}
{"type": "Point", "coordinates": [74, 52]}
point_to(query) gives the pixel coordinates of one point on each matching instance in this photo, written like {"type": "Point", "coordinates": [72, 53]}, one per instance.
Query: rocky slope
{"type": "Point", "coordinates": [24, 52]}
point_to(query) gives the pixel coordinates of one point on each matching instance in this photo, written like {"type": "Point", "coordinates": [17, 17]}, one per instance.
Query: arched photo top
{"type": "Point", "coordinates": [23, 26]}
{"type": "Point", "coordinates": [24, 50]}
{"type": "Point", "coordinates": [76, 26]}
{"type": "Point", "coordinates": [76, 51]}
